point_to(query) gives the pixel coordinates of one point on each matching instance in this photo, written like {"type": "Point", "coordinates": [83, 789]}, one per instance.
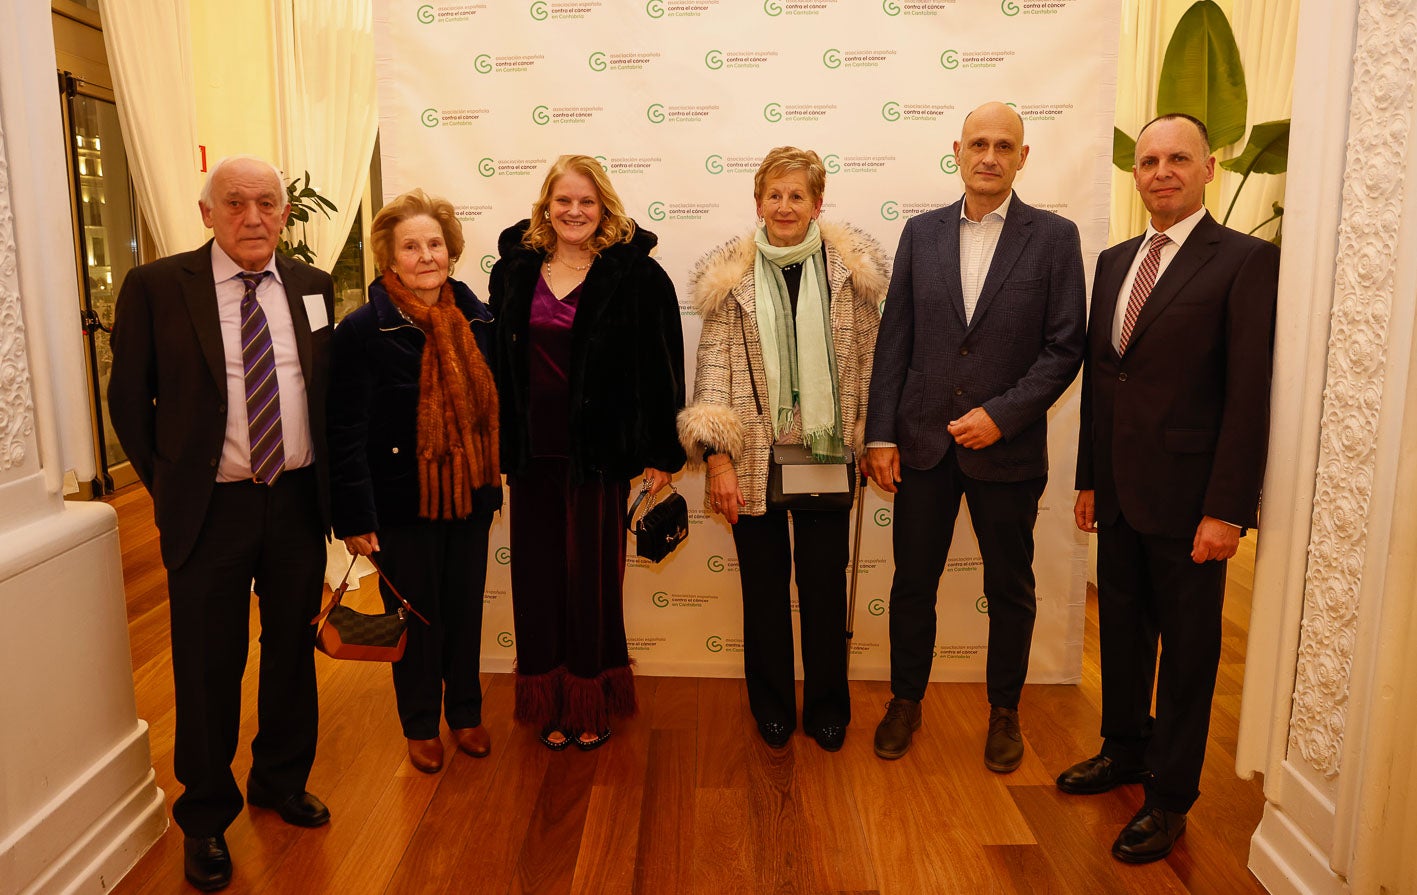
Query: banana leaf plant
{"type": "Point", "coordinates": [304, 203]}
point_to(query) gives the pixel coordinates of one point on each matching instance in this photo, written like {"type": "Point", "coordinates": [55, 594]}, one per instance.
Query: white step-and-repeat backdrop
{"type": "Point", "coordinates": [680, 99]}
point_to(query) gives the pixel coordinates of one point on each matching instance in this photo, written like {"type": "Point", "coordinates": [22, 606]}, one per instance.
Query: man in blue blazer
{"type": "Point", "coordinates": [982, 331]}
{"type": "Point", "coordinates": [1171, 455]}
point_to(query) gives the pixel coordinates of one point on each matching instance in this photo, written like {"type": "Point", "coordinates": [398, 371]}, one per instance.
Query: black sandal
{"type": "Point", "coordinates": [554, 745]}
{"type": "Point", "coordinates": [588, 745]}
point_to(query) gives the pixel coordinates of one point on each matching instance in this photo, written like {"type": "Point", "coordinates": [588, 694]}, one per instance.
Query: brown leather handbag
{"type": "Point", "coordinates": [347, 634]}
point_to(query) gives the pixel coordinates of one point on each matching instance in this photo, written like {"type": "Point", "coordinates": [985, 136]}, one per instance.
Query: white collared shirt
{"type": "Point", "coordinates": [977, 242]}
{"type": "Point", "coordinates": [1177, 233]}
{"type": "Point", "coordinates": [235, 463]}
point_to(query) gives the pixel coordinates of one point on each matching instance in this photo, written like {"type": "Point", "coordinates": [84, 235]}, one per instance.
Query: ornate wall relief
{"type": "Point", "coordinates": [16, 401]}
{"type": "Point", "coordinates": [1380, 125]}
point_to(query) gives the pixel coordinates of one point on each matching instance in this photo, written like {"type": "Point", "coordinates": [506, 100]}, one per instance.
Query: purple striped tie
{"type": "Point", "coordinates": [262, 396]}
{"type": "Point", "coordinates": [1141, 288]}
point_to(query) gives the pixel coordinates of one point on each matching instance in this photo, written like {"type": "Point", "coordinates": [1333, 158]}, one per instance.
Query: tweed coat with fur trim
{"type": "Point", "coordinates": [723, 414]}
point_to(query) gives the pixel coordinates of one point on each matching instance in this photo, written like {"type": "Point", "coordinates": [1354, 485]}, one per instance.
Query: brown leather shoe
{"type": "Point", "coordinates": [894, 732]}
{"type": "Point", "coordinates": [426, 755]}
{"type": "Point", "coordinates": [1003, 751]}
{"type": "Point", "coordinates": [475, 741]}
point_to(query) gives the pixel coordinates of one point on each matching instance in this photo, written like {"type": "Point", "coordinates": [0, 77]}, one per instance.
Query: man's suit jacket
{"type": "Point", "coordinates": [1177, 429]}
{"type": "Point", "coordinates": [167, 393]}
{"type": "Point", "coordinates": [1014, 358]}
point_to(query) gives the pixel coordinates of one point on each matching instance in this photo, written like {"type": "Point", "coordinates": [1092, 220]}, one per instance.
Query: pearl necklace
{"type": "Point", "coordinates": [582, 269]}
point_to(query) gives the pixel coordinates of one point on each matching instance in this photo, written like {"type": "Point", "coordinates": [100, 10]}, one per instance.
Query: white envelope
{"type": "Point", "coordinates": [315, 310]}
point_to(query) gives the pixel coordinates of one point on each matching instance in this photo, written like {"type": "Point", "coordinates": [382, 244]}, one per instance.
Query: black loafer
{"type": "Point", "coordinates": [300, 809]}
{"type": "Point", "coordinates": [206, 862]}
{"type": "Point", "coordinates": [1099, 774]}
{"type": "Point", "coordinates": [1149, 837]}
{"type": "Point", "coordinates": [775, 733]}
{"type": "Point", "coordinates": [830, 736]}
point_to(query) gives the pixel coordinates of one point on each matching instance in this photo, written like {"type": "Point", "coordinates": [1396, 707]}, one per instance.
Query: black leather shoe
{"type": "Point", "coordinates": [1003, 750]}
{"type": "Point", "coordinates": [1099, 774]}
{"type": "Point", "coordinates": [301, 809]}
{"type": "Point", "coordinates": [774, 733]}
{"type": "Point", "coordinates": [830, 736]}
{"type": "Point", "coordinates": [1149, 837]}
{"type": "Point", "coordinates": [206, 862]}
{"type": "Point", "coordinates": [894, 732]}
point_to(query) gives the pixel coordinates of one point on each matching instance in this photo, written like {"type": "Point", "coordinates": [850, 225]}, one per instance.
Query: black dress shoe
{"type": "Point", "coordinates": [830, 736]}
{"type": "Point", "coordinates": [1149, 837]}
{"type": "Point", "coordinates": [775, 733]}
{"type": "Point", "coordinates": [206, 862]}
{"type": "Point", "coordinates": [301, 809]}
{"type": "Point", "coordinates": [1099, 774]}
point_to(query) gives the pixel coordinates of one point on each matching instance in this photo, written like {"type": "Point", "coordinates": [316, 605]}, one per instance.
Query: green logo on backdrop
{"type": "Point", "coordinates": [948, 164]}
{"type": "Point", "coordinates": [891, 111]}
{"type": "Point", "coordinates": [832, 58]}
{"type": "Point", "coordinates": [714, 164]}
{"type": "Point", "coordinates": [883, 515]}
{"type": "Point", "coordinates": [773, 112]}
{"type": "Point", "coordinates": [1009, 7]}
{"type": "Point", "coordinates": [503, 554]}
{"type": "Point", "coordinates": [890, 7]}
{"type": "Point", "coordinates": [714, 60]}
{"type": "Point", "coordinates": [876, 607]}
{"type": "Point", "coordinates": [655, 113]}
{"type": "Point", "coordinates": [539, 10]}
{"type": "Point", "coordinates": [604, 164]}
{"type": "Point", "coordinates": [655, 9]}
{"type": "Point", "coordinates": [772, 7]}
{"type": "Point", "coordinates": [949, 60]}
{"type": "Point", "coordinates": [504, 638]}
{"type": "Point", "coordinates": [596, 61]}
{"type": "Point", "coordinates": [715, 563]}
{"type": "Point", "coordinates": [426, 14]}
{"type": "Point", "coordinates": [483, 64]}
{"type": "Point", "coordinates": [541, 115]}
{"type": "Point", "coordinates": [832, 163]}
{"type": "Point", "coordinates": [660, 599]}
{"type": "Point", "coordinates": [430, 118]}
{"type": "Point", "coordinates": [656, 211]}
{"type": "Point", "coordinates": [982, 605]}
{"type": "Point", "coordinates": [487, 167]}
{"type": "Point", "coordinates": [714, 643]}
{"type": "Point", "coordinates": [487, 262]}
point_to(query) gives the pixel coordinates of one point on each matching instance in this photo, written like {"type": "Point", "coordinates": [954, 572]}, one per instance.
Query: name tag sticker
{"type": "Point", "coordinates": [315, 310]}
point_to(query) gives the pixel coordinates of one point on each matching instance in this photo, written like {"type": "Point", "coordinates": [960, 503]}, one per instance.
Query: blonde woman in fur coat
{"type": "Point", "coordinates": [803, 296]}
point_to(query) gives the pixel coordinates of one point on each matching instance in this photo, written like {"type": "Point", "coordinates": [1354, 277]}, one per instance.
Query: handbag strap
{"type": "Point", "coordinates": [338, 594]}
{"type": "Point", "coordinates": [639, 498]}
{"type": "Point", "coordinates": [748, 359]}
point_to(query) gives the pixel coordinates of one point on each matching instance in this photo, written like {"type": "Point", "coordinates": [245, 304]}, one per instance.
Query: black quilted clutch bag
{"type": "Point", "coordinates": [664, 525]}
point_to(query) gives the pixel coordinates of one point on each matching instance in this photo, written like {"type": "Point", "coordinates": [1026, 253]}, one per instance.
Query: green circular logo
{"type": "Point", "coordinates": [487, 167]}
{"type": "Point", "coordinates": [1009, 7]}
{"type": "Point", "coordinates": [715, 563]}
{"type": "Point", "coordinates": [713, 59]}
{"type": "Point", "coordinates": [949, 60]}
{"type": "Point", "coordinates": [832, 58]}
{"type": "Point", "coordinates": [714, 164]}
{"type": "Point", "coordinates": [656, 211]}
{"type": "Point", "coordinates": [655, 113]}
{"type": "Point", "coordinates": [541, 115]}
{"type": "Point", "coordinates": [890, 7]}
{"type": "Point", "coordinates": [503, 554]}
{"type": "Point", "coordinates": [891, 111]}
{"type": "Point", "coordinates": [773, 112]}
{"type": "Point", "coordinates": [981, 605]}
{"type": "Point", "coordinates": [882, 516]}
{"type": "Point", "coordinates": [482, 64]}
{"type": "Point", "coordinates": [539, 10]}
{"type": "Point", "coordinates": [604, 163]}
{"type": "Point", "coordinates": [1013, 106]}
{"type": "Point", "coordinates": [832, 163]}
{"type": "Point", "coordinates": [596, 61]}
{"type": "Point", "coordinates": [487, 262]}
{"type": "Point", "coordinates": [714, 643]}
{"type": "Point", "coordinates": [655, 9]}
{"type": "Point", "coordinates": [876, 607]}
{"type": "Point", "coordinates": [948, 164]}
{"type": "Point", "coordinates": [504, 638]}
{"type": "Point", "coordinates": [426, 15]}
{"type": "Point", "coordinates": [890, 210]}
{"type": "Point", "coordinates": [430, 118]}
{"type": "Point", "coordinates": [772, 7]}
{"type": "Point", "coordinates": [660, 599]}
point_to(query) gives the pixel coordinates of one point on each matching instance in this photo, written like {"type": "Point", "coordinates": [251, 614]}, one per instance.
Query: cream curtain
{"type": "Point", "coordinates": [149, 44]}
{"type": "Point", "coordinates": [326, 107]}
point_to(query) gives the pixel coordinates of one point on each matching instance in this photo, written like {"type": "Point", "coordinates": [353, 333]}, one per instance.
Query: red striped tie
{"type": "Point", "coordinates": [1141, 288]}
{"type": "Point", "coordinates": [262, 395]}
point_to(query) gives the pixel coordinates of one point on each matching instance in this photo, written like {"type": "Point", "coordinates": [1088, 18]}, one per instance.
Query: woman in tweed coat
{"type": "Point", "coordinates": [804, 296]}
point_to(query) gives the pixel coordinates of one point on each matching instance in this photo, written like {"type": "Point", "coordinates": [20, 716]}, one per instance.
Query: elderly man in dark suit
{"type": "Point", "coordinates": [982, 331]}
{"type": "Point", "coordinates": [1175, 425]}
{"type": "Point", "coordinates": [220, 367]}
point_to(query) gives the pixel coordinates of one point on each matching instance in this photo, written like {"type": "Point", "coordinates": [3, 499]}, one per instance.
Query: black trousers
{"type": "Point", "coordinates": [1003, 514]}
{"type": "Point", "coordinates": [440, 567]}
{"type": "Point", "coordinates": [271, 534]}
{"type": "Point", "coordinates": [1148, 588]}
{"type": "Point", "coordinates": [765, 562]}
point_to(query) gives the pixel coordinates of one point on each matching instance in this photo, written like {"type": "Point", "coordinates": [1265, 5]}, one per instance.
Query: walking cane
{"type": "Point", "coordinates": [855, 564]}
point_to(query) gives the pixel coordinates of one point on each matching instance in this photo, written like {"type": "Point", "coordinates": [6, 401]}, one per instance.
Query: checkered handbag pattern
{"type": "Point", "coordinates": [345, 633]}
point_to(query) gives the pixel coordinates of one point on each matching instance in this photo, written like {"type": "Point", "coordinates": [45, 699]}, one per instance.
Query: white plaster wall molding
{"type": "Point", "coordinates": [16, 403]}
{"type": "Point", "coordinates": [1380, 126]}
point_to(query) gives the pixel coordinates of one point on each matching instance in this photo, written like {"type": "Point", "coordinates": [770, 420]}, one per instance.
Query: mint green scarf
{"type": "Point", "coordinates": [798, 360]}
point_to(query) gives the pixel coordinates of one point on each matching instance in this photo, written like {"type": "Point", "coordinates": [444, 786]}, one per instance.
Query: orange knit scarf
{"type": "Point", "coordinates": [457, 406]}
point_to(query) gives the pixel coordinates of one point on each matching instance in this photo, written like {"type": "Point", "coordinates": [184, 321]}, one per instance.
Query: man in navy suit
{"type": "Point", "coordinates": [982, 331]}
{"type": "Point", "coordinates": [220, 368]}
{"type": "Point", "coordinates": [1171, 455]}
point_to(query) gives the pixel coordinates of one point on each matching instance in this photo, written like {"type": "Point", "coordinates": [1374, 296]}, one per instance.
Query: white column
{"type": "Point", "coordinates": [78, 802]}
{"type": "Point", "coordinates": [1330, 707]}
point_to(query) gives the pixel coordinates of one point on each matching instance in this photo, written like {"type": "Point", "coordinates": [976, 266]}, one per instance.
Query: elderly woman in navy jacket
{"type": "Point", "coordinates": [415, 477]}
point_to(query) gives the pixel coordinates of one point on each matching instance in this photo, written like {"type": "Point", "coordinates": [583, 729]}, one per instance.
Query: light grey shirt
{"type": "Point", "coordinates": [977, 242]}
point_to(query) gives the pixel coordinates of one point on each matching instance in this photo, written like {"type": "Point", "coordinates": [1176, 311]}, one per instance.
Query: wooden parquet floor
{"type": "Point", "coordinates": [687, 799]}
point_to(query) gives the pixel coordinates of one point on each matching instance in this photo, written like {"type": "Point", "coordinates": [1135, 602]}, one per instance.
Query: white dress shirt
{"type": "Point", "coordinates": [235, 463]}
{"type": "Point", "coordinates": [977, 242]}
{"type": "Point", "coordinates": [1177, 233]}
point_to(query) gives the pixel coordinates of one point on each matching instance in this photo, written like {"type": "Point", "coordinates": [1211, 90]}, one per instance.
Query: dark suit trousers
{"type": "Point", "coordinates": [1003, 514]}
{"type": "Point", "coordinates": [765, 562]}
{"type": "Point", "coordinates": [271, 534]}
{"type": "Point", "coordinates": [440, 567]}
{"type": "Point", "coordinates": [1148, 588]}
